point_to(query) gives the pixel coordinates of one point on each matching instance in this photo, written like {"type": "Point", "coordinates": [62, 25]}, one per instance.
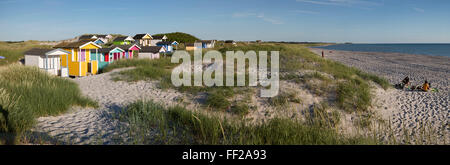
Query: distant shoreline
{"type": "Point", "coordinates": [385, 53]}
{"type": "Point", "coordinates": [439, 54]}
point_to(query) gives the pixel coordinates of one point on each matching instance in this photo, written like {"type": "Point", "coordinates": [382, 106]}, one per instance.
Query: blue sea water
{"type": "Point", "coordinates": [422, 49]}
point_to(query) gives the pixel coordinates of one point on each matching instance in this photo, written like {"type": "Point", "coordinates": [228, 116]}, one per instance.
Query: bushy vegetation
{"type": "Point", "coordinates": [180, 37]}
{"type": "Point", "coordinates": [14, 51]}
{"type": "Point", "coordinates": [27, 93]}
{"type": "Point", "coordinates": [177, 125]}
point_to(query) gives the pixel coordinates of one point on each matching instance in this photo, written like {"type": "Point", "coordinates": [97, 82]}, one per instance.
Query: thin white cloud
{"type": "Point", "coordinates": [341, 2]}
{"type": "Point", "coordinates": [418, 10]}
{"type": "Point", "coordinates": [261, 16]}
{"type": "Point", "coordinates": [305, 12]}
{"type": "Point", "coordinates": [244, 14]}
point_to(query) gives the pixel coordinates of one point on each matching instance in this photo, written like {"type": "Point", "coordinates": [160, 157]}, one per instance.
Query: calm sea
{"type": "Point", "coordinates": [423, 49]}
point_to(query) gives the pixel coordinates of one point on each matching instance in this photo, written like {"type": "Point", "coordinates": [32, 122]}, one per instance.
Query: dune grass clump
{"type": "Point", "coordinates": [354, 95]}
{"type": "Point", "coordinates": [196, 128]}
{"type": "Point", "coordinates": [240, 109]}
{"type": "Point", "coordinates": [28, 93]}
{"type": "Point", "coordinates": [145, 69]}
{"type": "Point", "coordinates": [163, 63]}
{"type": "Point", "coordinates": [217, 100]}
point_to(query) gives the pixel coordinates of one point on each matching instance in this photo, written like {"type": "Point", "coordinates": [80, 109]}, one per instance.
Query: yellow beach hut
{"type": "Point", "coordinates": [79, 62]}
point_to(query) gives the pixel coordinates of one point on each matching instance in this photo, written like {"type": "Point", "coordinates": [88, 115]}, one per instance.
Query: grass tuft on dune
{"type": "Point", "coordinates": [177, 125]}
{"type": "Point", "coordinates": [27, 93]}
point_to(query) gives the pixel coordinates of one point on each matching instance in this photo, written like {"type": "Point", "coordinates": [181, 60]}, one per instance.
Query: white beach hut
{"type": "Point", "coordinates": [151, 52]}
{"type": "Point", "coordinates": [47, 59]}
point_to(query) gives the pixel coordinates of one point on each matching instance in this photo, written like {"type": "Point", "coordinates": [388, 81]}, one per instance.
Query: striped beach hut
{"type": "Point", "coordinates": [130, 50]}
{"type": "Point", "coordinates": [79, 61]}
{"type": "Point", "coordinates": [109, 55]}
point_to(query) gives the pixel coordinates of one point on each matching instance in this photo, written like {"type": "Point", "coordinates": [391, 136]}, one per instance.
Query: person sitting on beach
{"type": "Point", "coordinates": [405, 81]}
{"type": "Point", "coordinates": [426, 86]}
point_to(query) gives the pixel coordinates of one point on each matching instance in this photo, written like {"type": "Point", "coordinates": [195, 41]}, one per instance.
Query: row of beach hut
{"type": "Point", "coordinates": [89, 54]}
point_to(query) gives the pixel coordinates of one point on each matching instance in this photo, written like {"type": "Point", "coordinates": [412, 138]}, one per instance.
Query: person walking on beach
{"type": "Point", "coordinates": [322, 54]}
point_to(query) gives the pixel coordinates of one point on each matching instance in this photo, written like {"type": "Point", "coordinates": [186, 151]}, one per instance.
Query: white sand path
{"type": "Point", "coordinates": [97, 126]}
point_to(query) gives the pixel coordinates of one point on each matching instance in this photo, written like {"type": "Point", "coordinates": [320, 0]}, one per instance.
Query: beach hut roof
{"type": "Point", "coordinates": [107, 50]}
{"type": "Point", "coordinates": [57, 52]}
{"type": "Point", "coordinates": [37, 51]}
{"type": "Point", "coordinates": [123, 38]}
{"type": "Point", "coordinates": [99, 39]}
{"type": "Point", "coordinates": [160, 37]}
{"type": "Point", "coordinates": [151, 49]}
{"type": "Point", "coordinates": [77, 44]}
{"type": "Point", "coordinates": [140, 36]}
{"type": "Point", "coordinates": [104, 50]}
{"type": "Point", "coordinates": [127, 47]}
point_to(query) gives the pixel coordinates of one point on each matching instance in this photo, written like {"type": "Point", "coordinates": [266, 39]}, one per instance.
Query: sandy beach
{"type": "Point", "coordinates": [411, 110]}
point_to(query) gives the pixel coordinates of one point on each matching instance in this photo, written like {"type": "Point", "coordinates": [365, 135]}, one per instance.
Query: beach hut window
{"type": "Point", "coordinates": [83, 55]}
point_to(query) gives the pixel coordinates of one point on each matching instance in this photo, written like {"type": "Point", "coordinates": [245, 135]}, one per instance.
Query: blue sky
{"type": "Point", "coordinates": [359, 21]}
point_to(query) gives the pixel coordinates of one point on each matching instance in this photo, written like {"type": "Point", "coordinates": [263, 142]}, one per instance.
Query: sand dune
{"type": "Point", "coordinates": [97, 126]}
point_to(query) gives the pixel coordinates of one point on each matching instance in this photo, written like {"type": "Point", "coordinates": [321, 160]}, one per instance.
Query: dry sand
{"type": "Point", "coordinates": [412, 110]}
{"type": "Point", "coordinates": [98, 126]}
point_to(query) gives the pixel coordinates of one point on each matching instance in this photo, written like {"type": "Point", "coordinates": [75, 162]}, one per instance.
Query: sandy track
{"type": "Point", "coordinates": [407, 109]}
{"type": "Point", "coordinates": [97, 126]}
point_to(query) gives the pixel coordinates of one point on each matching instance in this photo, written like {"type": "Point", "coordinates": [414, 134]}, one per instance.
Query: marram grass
{"type": "Point", "coordinates": [27, 93]}
{"type": "Point", "coordinates": [177, 125]}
